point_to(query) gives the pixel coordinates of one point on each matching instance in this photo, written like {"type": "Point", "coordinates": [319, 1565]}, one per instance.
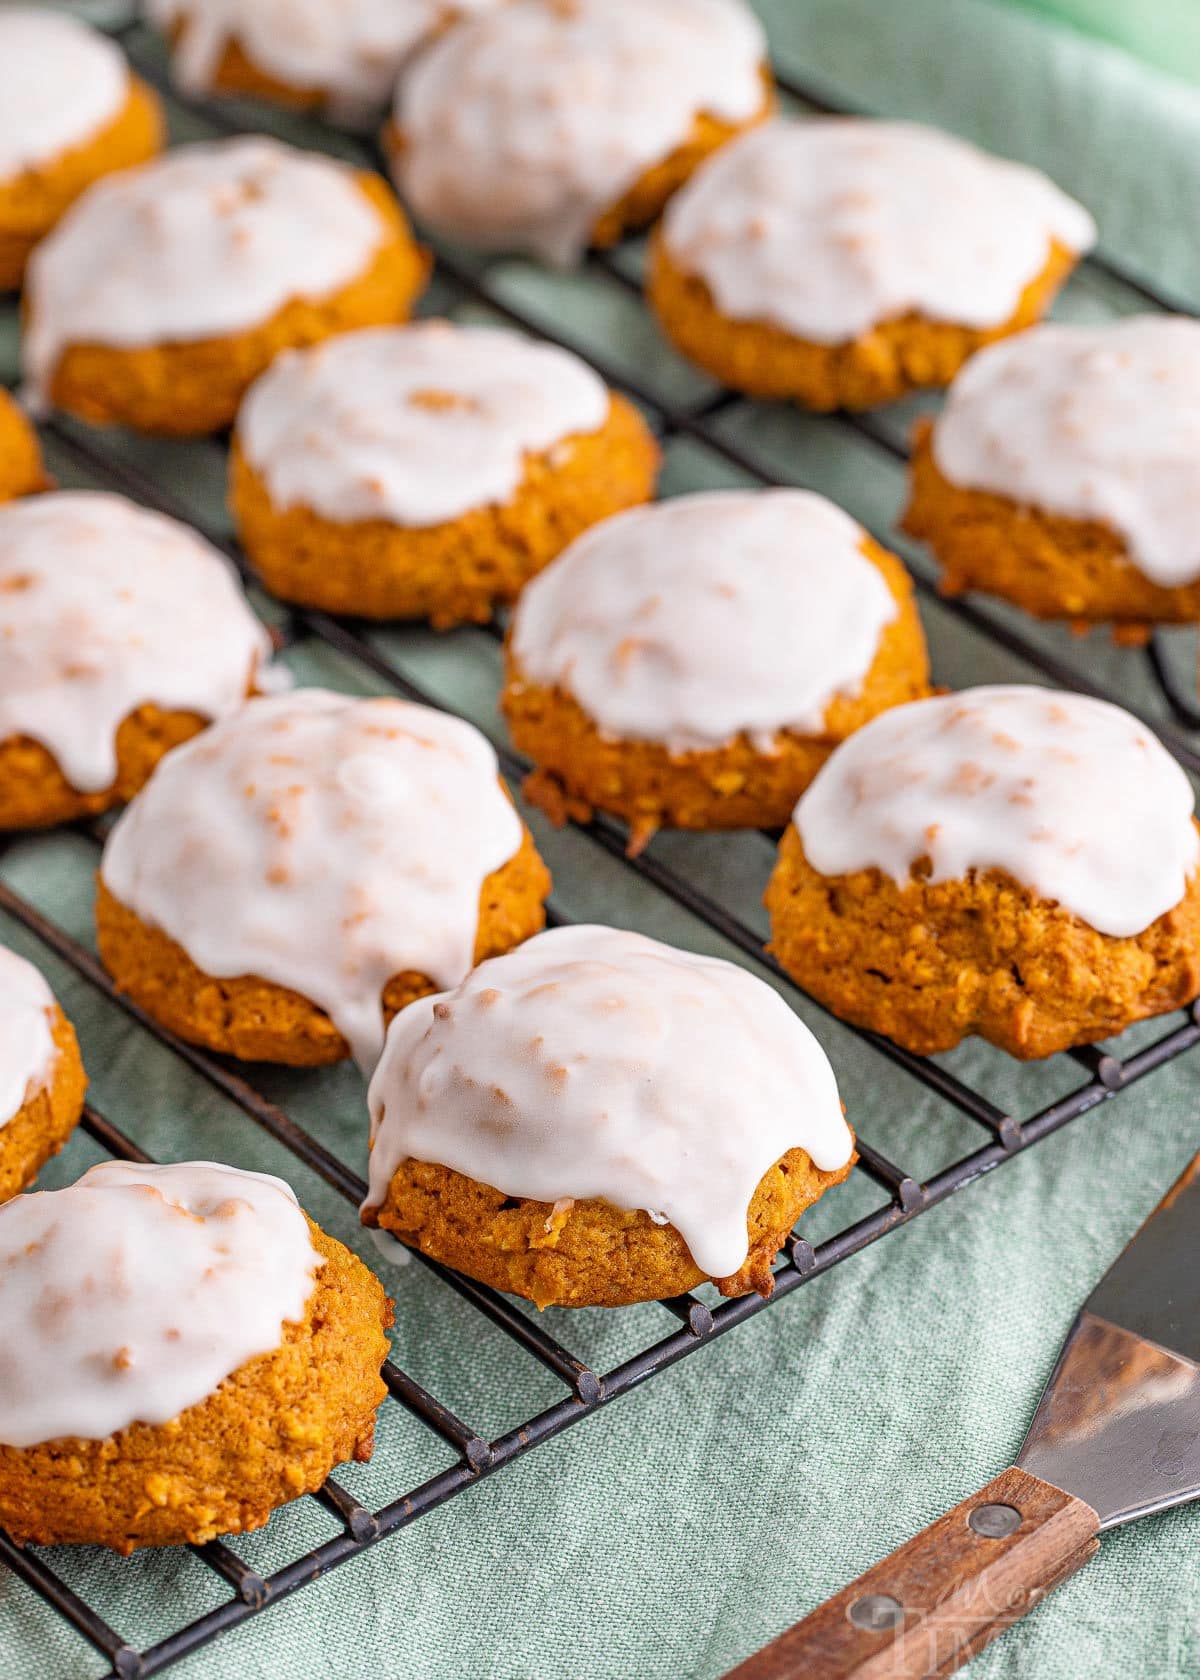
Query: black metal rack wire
{"type": "Point", "coordinates": [585, 1389]}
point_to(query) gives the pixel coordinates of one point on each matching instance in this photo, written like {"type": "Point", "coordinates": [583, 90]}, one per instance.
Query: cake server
{"type": "Point", "coordinates": [1116, 1436]}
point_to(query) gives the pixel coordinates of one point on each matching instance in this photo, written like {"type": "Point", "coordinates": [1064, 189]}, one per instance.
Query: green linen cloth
{"type": "Point", "coordinates": [677, 1530]}
{"type": "Point", "coordinates": [1166, 32]}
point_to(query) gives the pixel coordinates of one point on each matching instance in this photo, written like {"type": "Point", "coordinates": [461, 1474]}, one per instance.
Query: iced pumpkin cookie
{"type": "Point", "coordinates": [427, 471]}
{"type": "Point", "coordinates": [21, 470]}
{"type": "Point", "coordinates": [71, 112]}
{"type": "Point", "coordinates": [166, 291]}
{"type": "Point", "coordinates": [287, 882]}
{"type": "Point", "coordinates": [551, 125]}
{"type": "Point", "coordinates": [693, 664]}
{"type": "Point", "coordinates": [42, 1081]}
{"type": "Point", "coordinates": [959, 866]}
{"type": "Point", "coordinates": [598, 1119]}
{"type": "Point", "coordinates": [123, 633]}
{"type": "Point", "coordinates": [183, 1352]}
{"type": "Point", "coordinates": [1062, 473]}
{"type": "Point", "coordinates": [342, 56]}
{"type": "Point", "coordinates": [844, 262]}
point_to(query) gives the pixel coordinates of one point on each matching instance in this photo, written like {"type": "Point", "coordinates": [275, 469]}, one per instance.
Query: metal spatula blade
{"type": "Point", "coordinates": [1116, 1436]}
{"type": "Point", "coordinates": [1119, 1423]}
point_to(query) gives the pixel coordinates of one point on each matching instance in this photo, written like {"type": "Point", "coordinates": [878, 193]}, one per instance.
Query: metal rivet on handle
{"type": "Point", "coordinates": [994, 1521]}
{"type": "Point", "coordinates": [877, 1612]}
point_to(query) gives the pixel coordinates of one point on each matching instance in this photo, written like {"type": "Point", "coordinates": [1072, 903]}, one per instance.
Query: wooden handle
{"type": "Point", "coordinates": [941, 1597]}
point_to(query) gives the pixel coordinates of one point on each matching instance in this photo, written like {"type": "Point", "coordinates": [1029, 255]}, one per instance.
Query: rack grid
{"type": "Point", "coordinates": [696, 1323]}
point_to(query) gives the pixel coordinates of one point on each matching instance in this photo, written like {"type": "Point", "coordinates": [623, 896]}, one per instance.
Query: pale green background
{"type": "Point", "coordinates": [671, 1534]}
{"type": "Point", "coordinates": [1166, 32]}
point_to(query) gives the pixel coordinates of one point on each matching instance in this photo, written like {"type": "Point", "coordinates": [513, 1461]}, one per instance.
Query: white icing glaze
{"type": "Point", "coordinates": [1097, 423]}
{"type": "Point", "coordinates": [595, 1063]}
{"type": "Point", "coordinates": [349, 50]}
{"type": "Point", "coordinates": [324, 843]}
{"type": "Point", "coordinates": [63, 83]}
{"type": "Point", "coordinates": [27, 1052]}
{"type": "Point", "coordinates": [1018, 779]}
{"type": "Point", "coordinates": [520, 128]}
{"type": "Point", "coordinates": [133, 1294]}
{"type": "Point", "coordinates": [104, 607]}
{"type": "Point", "coordinates": [707, 615]}
{"type": "Point", "coordinates": [206, 241]}
{"type": "Point", "coordinates": [828, 227]}
{"type": "Point", "coordinates": [414, 424]}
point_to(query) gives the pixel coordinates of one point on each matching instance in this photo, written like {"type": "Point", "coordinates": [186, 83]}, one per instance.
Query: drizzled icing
{"type": "Point", "coordinates": [1097, 423]}
{"type": "Point", "coordinates": [414, 424]}
{"type": "Point", "coordinates": [595, 1063]}
{"type": "Point", "coordinates": [520, 128]}
{"type": "Point", "coordinates": [349, 50]}
{"type": "Point", "coordinates": [323, 843]}
{"type": "Point", "coordinates": [133, 1294]}
{"type": "Point", "coordinates": [105, 607]}
{"type": "Point", "coordinates": [63, 83]}
{"type": "Point", "coordinates": [701, 617]}
{"type": "Point", "coordinates": [27, 1052]}
{"type": "Point", "coordinates": [208, 240]}
{"type": "Point", "coordinates": [1016, 779]}
{"type": "Point", "coordinates": [828, 227]}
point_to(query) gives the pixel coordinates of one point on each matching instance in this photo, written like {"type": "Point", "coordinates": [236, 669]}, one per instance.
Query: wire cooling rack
{"type": "Point", "coordinates": [731, 431]}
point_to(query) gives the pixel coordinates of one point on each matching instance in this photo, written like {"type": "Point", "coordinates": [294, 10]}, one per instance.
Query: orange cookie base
{"type": "Point", "coordinates": [238, 75]}
{"type": "Point", "coordinates": [187, 388]}
{"type": "Point", "coordinates": [645, 200]}
{"type": "Point", "coordinates": [273, 1430]}
{"type": "Point", "coordinates": [458, 571]}
{"type": "Point", "coordinates": [894, 358]}
{"type": "Point", "coordinates": [580, 769]}
{"type": "Point", "coordinates": [1052, 566]}
{"type": "Point", "coordinates": [46, 1120]}
{"type": "Point", "coordinates": [34, 793]}
{"type": "Point", "coordinates": [32, 202]}
{"type": "Point", "coordinates": [258, 1021]}
{"type": "Point", "coordinates": [21, 470]}
{"type": "Point", "coordinates": [928, 965]}
{"type": "Point", "coordinates": [589, 1254]}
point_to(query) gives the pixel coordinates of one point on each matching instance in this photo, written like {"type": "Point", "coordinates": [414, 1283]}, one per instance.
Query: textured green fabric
{"type": "Point", "coordinates": [1166, 32]}
{"type": "Point", "coordinates": [677, 1530]}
